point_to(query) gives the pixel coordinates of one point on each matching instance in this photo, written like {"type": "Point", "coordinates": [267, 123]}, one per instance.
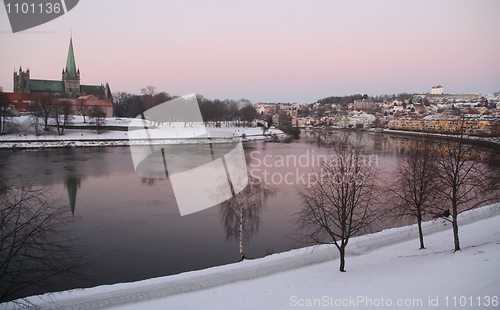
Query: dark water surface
{"type": "Point", "coordinates": [132, 225]}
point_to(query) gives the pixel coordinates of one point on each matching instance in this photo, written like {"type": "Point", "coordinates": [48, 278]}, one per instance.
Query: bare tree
{"type": "Point", "coordinates": [62, 113]}
{"type": "Point", "coordinates": [230, 111]}
{"type": "Point", "coordinates": [83, 109]}
{"type": "Point", "coordinates": [57, 115]}
{"type": "Point", "coordinates": [34, 121]}
{"type": "Point", "coordinates": [248, 113]}
{"type": "Point", "coordinates": [67, 113]}
{"type": "Point", "coordinates": [465, 180]}
{"type": "Point", "coordinates": [35, 242]}
{"type": "Point", "coordinates": [119, 100]}
{"type": "Point", "coordinates": [415, 187]}
{"type": "Point", "coordinates": [42, 108]}
{"type": "Point", "coordinates": [98, 115]}
{"type": "Point", "coordinates": [149, 90]}
{"type": "Point", "coordinates": [340, 200]}
{"type": "Point", "coordinates": [241, 213]}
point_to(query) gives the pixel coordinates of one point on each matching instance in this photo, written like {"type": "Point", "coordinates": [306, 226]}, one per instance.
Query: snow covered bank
{"type": "Point", "coordinates": [25, 138]}
{"type": "Point", "coordinates": [385, 269]}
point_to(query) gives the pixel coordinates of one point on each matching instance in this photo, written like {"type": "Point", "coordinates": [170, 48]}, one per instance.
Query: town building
{"type": "Point", "coordinates": [363, 105]}
{"type": "Point", "coordinates": [442, 124]}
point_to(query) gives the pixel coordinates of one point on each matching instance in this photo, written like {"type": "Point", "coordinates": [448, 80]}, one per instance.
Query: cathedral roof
{"type": "Point", "coordinates": [46, 86]}
{"type": "Point", "coordinates": [70, 62]}
{"type": "Point", "coordinates": [98, 91]}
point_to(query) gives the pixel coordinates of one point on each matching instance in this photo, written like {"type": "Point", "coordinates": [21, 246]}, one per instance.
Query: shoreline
{"type": "Point", "coordinates": [105, 141]}
{"type": "Point", "coordinates": [491, 142]}
{"type": "Point", "coordinates": [66, 143]}
{"type": "Point", "coordinates": [117, 132]}
{"type": "Point", "coordinates": [96, 141]}
{"type": "Point", "coordinates": [167, 289]}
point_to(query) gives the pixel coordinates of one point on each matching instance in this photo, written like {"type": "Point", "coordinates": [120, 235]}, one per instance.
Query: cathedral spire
{"type": "Point", "coordinates": [70, 62]}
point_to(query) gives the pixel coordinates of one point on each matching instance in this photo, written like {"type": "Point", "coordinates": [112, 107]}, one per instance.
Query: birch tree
{"type": "Point", "coordinates": [241, 213]}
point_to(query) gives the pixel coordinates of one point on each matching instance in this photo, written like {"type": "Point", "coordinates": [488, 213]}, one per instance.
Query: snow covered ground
{"type": "Point", "coordinates": [23, 135]}
{"type": "Point", "coordinates": [385, 269]}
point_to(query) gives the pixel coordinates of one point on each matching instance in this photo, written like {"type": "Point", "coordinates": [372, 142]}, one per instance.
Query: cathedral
{"type": "Point", "coordinates": [68, 87]}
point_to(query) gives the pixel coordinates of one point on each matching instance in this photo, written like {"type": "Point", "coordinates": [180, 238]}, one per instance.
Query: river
{"type": "Point", "coordinates": [132, 227]}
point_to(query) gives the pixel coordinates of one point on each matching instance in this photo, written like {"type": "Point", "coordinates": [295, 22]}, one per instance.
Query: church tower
{"type": "Point", "coordinates": [70, 75]}
{"type": "Point", "coordinates": [22, 81]}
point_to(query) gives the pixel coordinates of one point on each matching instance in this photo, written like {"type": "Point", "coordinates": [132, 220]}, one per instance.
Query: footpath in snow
{"type": "Point", "coordinates": [385, 269]}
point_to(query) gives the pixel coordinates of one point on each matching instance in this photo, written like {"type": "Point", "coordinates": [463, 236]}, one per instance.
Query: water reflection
{"type": "Point", "coordinates": [72, 185]}
{"type": "Point", "coordinates": [38, 249]}
{"type": "Point", "coordinates": [241, 213]}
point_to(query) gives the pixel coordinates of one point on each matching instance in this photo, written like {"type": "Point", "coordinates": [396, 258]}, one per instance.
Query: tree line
{"type": "Point", "coordinates": [61, 113]}
{"type": "Point", "coordinates": [238, 112]}
{"type": "Point", "coordinates": [344, 100]}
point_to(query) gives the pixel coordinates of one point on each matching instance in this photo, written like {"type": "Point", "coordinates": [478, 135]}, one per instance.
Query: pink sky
{"type": "Point", "coordinates": [267, 51]}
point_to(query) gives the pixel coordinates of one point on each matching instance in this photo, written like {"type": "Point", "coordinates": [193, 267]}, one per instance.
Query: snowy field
{"type": "Point", "coordinates": [23, 134]}
{"type": "Point", "coordinates": [384, 270]}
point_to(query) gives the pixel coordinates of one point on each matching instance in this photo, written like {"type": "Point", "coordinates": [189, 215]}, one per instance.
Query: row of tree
{"type": "Point", "coordinates": [438, 180]}
{"type": "Point", "coordinates": [51, 112]}
{"type": "Point", "coordinates": [61, 113]}
{"type": "Point", "coordinates": [240, 112]}
{"type": "Point", "coordinates": [345, 197]}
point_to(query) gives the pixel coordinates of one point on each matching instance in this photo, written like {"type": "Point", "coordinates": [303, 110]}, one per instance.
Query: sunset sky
{"type": "Point", "coordinates": [267, 51]}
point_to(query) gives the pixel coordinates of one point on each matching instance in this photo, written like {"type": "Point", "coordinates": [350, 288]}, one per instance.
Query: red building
{"type": "Point", "coordinates": [21, 102]}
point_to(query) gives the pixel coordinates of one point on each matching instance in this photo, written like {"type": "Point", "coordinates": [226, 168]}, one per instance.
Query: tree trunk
{"type": "Point", "coordinates": [454, 216]}
{"type": "Point", "coordinates": [420, 232]}
{"type": "Point", "coordinates": [342, 258]}
{"type": "Point", "coordinates": [242, 256]}
{"type": "Point", "coordinates": [455, 228]}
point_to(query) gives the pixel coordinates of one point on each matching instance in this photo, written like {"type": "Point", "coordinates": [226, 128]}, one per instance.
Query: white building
{"type": "Point", "coordinates": [362, 120]}
{"type": "Point", "coordinates": [437, 90]}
